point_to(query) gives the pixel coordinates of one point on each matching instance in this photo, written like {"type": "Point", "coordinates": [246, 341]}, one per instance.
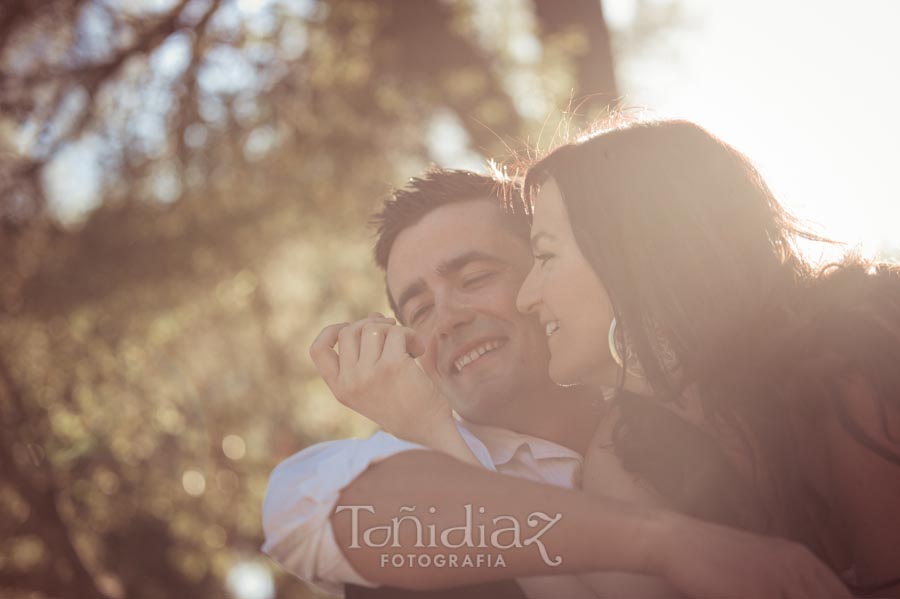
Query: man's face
{"type": "Point", "coordinates": [455, 276]}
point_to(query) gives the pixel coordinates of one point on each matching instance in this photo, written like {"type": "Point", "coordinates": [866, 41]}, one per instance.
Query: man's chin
{"type": "Point", "coordinates": [480, 414]}
{"type": "Point", "coordinates": [483, 406]}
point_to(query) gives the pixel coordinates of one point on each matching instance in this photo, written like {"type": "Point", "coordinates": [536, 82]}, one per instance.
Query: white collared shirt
{"type": "Point", "coordinates": [303, 492]}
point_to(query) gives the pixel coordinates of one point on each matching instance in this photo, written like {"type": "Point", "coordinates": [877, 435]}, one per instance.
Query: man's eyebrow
{"type": "Point", "coordinates": [456, 264]}
{"type": "Point", "coordinates": [415, 288]}
{"type": "Point", "coordinates": [444, 269]}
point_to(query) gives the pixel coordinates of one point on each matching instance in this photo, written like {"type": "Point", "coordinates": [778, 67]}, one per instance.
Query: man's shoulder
{"type": "Point", "coordinates": [349, 454]}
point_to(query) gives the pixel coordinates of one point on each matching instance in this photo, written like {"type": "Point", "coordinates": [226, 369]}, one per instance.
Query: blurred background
{"type": "Point", "coordinates": [184, 186]}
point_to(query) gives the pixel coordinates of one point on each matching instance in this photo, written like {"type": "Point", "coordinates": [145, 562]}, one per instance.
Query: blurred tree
{"type": "Point", "coordinates": [582, 22]}
{"type": "Point", "coordinates": [183, 186]}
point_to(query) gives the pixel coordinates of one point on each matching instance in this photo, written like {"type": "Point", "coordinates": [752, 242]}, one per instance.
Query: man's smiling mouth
{"type": "Point", "coordinates": [476, 353]}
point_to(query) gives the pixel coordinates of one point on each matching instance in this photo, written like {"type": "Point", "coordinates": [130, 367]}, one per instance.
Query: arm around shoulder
{"type": "Point", "coordinates": [302, 493]}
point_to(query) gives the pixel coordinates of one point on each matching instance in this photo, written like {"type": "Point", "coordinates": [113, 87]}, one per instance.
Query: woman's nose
{"type": "Point", "coordinates": [529, 297]}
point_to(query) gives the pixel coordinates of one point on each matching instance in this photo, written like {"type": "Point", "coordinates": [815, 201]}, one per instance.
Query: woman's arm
{"type": "Point", "coordinates": [587, 534]}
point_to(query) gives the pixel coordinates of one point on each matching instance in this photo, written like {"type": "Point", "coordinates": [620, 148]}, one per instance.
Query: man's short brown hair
{"type": "Point", "coordinates": [438, 187]}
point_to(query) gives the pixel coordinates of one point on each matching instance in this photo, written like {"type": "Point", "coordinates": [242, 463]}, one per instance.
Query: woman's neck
{"type": "Point", "coordinates": [607, 377]}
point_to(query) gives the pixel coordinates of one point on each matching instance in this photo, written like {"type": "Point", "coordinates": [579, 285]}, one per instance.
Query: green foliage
{"type": "Point", "coordinates": [153, 346]}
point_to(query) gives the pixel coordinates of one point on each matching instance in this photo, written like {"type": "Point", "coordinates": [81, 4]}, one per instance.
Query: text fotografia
{"type": "Point", "coordinates": [497, 533]}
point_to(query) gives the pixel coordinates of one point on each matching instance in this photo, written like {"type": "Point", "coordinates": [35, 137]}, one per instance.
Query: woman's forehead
{"type": "Point", "coordinates": [549, 209]}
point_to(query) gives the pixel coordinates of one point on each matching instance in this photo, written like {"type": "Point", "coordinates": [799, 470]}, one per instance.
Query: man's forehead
{"type": "Point", "coordinates": [447, 233]}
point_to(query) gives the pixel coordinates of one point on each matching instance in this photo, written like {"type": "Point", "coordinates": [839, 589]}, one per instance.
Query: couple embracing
{"type": "Point", "coordinates": [681, 404]}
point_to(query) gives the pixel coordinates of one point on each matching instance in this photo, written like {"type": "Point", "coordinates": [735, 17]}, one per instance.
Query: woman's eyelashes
{"type": "Point", "coordinates": [543, 257]}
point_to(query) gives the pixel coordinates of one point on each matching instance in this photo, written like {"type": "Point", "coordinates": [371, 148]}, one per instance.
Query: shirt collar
{"type": "Point", "coordinates": [502, 444]}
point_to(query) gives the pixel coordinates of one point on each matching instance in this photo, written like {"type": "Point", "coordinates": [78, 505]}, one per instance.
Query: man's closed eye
{"type": "Point", "coordinates": [419, 313]}
{"type": "Point", "coordinates": [475, 280]}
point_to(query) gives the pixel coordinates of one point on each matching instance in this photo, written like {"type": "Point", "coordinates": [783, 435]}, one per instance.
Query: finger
{"type": "Point", "coordinates": [428, 359]}
{"type": "Point", "coordinates": [395, 345]}
{"type": "Point", "coordinates": [371, 342]}
{"type": "Point", "coordinates": [349, 341]}
{"type": "Point", "coordinates": [379, 315]}
{"type": "Point", "coordinates": [323, 355]}
{"type": "Point", "coordinates": [348, 347]}
{"type": "Point", "coordinates": [414, 344]}
{"type": "Point", "coordinates": [401, 343]}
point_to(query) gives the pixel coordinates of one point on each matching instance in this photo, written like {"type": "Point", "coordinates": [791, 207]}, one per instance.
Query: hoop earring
{"type": "Point", "coordinates": [621, 350]}
{"type": "Point", "coordinates": [613, 346]}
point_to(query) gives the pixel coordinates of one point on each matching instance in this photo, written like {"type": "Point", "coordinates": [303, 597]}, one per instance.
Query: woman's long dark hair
{"type": "Point", "coordinates": [688, 240]}
{"type": "Point", "coordinates": [850, 333]}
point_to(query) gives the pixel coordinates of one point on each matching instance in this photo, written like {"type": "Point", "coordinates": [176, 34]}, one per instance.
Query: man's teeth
{"type": "Point", "coordinates": [476, 353]}
{"type": "Point", "coordinates": [552, 327]}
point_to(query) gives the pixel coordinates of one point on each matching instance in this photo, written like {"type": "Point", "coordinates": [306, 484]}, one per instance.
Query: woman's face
{"type": "Point", "coordinates": [563, 290]}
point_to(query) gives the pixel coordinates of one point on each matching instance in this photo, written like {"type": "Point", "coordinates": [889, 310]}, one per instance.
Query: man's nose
{"type": "Point", "coordinates": [452, 315]}
{"type": "Point", "coordinates": [529, 295]}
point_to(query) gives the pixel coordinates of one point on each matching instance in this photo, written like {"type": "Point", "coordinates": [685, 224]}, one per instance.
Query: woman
{"type": "Point", "coordinates": [665, 268]}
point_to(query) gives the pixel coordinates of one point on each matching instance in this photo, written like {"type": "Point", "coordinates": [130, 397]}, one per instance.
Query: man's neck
{"type": "Point", "coordinates": [567, 416]}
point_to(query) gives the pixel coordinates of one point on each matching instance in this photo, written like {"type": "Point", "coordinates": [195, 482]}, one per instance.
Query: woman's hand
{"type": "Point", "coordinates": [706, 560]}
{"type": "Point", "coordinates": [374, 372]}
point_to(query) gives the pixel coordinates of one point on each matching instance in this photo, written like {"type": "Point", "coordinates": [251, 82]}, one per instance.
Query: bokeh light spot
{"type": "Point", "coordinates": [248, 580]}
{"type": "Point", "coordinates": [234, 447]}
{"type": "Point", "coordinates": [194, 483]}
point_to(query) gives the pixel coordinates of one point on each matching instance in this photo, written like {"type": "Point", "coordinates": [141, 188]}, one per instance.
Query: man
{"type": "Point", "coordinates": [454, 262]}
